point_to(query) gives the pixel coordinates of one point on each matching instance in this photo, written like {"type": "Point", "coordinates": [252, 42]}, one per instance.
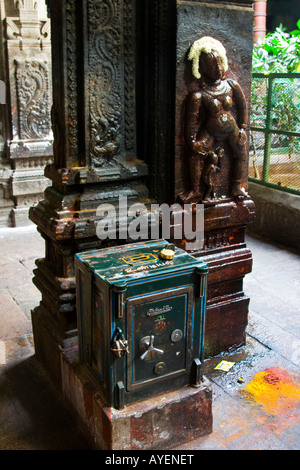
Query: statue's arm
{"type": "Point", "coordinates": [193, 121]}
{"type": "Point", "coordinates": [241, 105]}
{"type": "Point", "coordinates": [242, 112]}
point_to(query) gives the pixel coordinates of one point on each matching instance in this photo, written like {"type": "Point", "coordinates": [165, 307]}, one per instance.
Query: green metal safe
{"type": "Point", "coordinates": [141, 319]}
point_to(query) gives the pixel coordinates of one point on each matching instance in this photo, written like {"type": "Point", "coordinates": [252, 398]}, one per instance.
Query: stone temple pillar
{"type": "Point", "coordinates": [209, 167]}
{"type": "Point", "coordinates": [27, 125]}
{"type": "Point", "coordinates": [95, 152]}
{"type": "Point", "coordinates": [6, 201]}
{"type": "Point", "coordinates": [184, 173]}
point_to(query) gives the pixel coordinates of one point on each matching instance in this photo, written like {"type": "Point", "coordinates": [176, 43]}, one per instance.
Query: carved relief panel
{"type": "Point", "coordinates": [215, 124]}
{"type": "Point", "coordinates": [98, 85]}
{"type": "Point", "coordinates": [27, 68]}
{"type": "Point", "coordinates": [33, 98]}
{"type": "Point", "coordinates": [111, 83]}
{"type": "Point", "coordinates": [29, 77]}
{"type": "Point", "coordinates": [105, 77]}
{"type": "Point", "coordinates": [213, 80]}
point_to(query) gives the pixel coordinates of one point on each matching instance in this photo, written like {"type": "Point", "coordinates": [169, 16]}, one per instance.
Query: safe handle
{"type": "Point", "coordinates": [151, 350]}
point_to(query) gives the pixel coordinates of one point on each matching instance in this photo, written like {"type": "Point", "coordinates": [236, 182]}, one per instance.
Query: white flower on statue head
{"type": "Point", "coordinates": [208, 45]}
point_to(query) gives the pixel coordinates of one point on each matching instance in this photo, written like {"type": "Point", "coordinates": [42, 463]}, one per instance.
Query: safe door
{"type": "Point", "coordinates": [159, 336]}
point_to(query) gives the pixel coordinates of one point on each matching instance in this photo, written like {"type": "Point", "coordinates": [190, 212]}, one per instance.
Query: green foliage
{"type": "Point", "coordinates": [278, 52]}
{"type": "Point", "coordinates": [275, 101]}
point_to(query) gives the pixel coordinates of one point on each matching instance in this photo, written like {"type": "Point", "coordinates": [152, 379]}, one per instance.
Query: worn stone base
{"type": "Point", "coordinates": [226, 324]}
{"type": "Point", "coordinates": [162, 422]}
{"type": "Point", "coordinates": [227, 305]}
{"type": "Point", "coordinates": [20, 217]}
{"type": "Point", "coordinates": [49, 342]}
{"type": "Point", "coordinates": [5, 216]}
{"type": "Point", "coordinates": [277, 215]}
{"type": "Point", "coordinates": [159, 423]}
{"type": "Point", "coordinates": [229, 260]}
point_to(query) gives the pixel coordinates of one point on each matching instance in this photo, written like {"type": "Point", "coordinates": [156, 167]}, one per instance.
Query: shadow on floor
{"type": "Point", "coordinates": [29, 403]}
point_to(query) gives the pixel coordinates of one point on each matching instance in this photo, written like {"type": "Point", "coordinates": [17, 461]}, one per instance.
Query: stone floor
{"type": "Point", "coordinates": [255, 403]}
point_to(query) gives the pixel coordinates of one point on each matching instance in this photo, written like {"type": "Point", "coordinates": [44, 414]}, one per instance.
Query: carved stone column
{"type": "Point", "coordinates": [211, 152]}
{"type": "Point", "coordinates": [95, 152]}
{"type": "Point", "coordinates": [6, 200]}
{"type": "Point", "coordinates": [215, 175]}
{"type": "Point", "coordinates": [29, 99]}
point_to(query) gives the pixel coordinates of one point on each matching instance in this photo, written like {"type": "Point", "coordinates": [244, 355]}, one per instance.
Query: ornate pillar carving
{"type": "Point", "coordinates": [29, 98]}
{"type": "Point", "coordinates": [95, 153]}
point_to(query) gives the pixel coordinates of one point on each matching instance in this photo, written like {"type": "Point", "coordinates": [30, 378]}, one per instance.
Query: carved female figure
{"type": "Point", "coordinates": [209, 121]}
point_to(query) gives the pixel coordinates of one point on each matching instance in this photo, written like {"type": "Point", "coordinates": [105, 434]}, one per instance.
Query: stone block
{"type": "Point", "coordinates": [159, 423]}
{"type": "Point", "coordinates": [277, 215]}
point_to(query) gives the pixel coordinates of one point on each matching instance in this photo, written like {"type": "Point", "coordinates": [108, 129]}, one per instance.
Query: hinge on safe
{"type": "Point", "coordinates": [120, 289]}
{"type": "Point", "coordinates": [201, 283]}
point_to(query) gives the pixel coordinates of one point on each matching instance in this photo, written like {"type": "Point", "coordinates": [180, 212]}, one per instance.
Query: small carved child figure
{"type": "Point", "coordinates": [212, 165]}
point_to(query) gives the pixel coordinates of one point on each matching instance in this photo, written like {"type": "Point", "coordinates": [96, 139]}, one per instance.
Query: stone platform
{"type": "Point", "coordinates": [159, 423]}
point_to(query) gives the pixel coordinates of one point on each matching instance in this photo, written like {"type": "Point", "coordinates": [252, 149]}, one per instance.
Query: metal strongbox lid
{"type": "Point", "coordinates": [121, 263]}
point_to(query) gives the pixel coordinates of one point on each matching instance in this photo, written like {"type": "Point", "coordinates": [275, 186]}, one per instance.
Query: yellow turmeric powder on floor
{"type": "Point", "coordinates": [275, 389]}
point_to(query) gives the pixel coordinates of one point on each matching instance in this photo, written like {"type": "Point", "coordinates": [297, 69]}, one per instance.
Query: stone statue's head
{"type": "Point", "coordinates": [208, 56]}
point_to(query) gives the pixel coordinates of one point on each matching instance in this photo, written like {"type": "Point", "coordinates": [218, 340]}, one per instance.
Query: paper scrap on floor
{"type": "Point", "coordinates": [225, 365]}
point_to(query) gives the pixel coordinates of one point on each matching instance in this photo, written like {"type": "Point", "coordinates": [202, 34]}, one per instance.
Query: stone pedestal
{"type": "Point", "coordinates": [159, 423]}
{"type": "Point", "coordinates": [229, 260]}
{"type": "Point", "coordinates": [27, 129]}
{"type": "Point", "coordinates": [6, 202]}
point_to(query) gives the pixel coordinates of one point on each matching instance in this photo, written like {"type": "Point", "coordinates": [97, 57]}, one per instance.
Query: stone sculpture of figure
{"type": "Point", "coordinates": [211, 166]}
{"type": "Point", "coordinates": [209, 121]}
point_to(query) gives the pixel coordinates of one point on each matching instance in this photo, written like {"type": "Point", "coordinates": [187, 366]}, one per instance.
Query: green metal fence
{"type": "Point", "coordinates": [274, 158]}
